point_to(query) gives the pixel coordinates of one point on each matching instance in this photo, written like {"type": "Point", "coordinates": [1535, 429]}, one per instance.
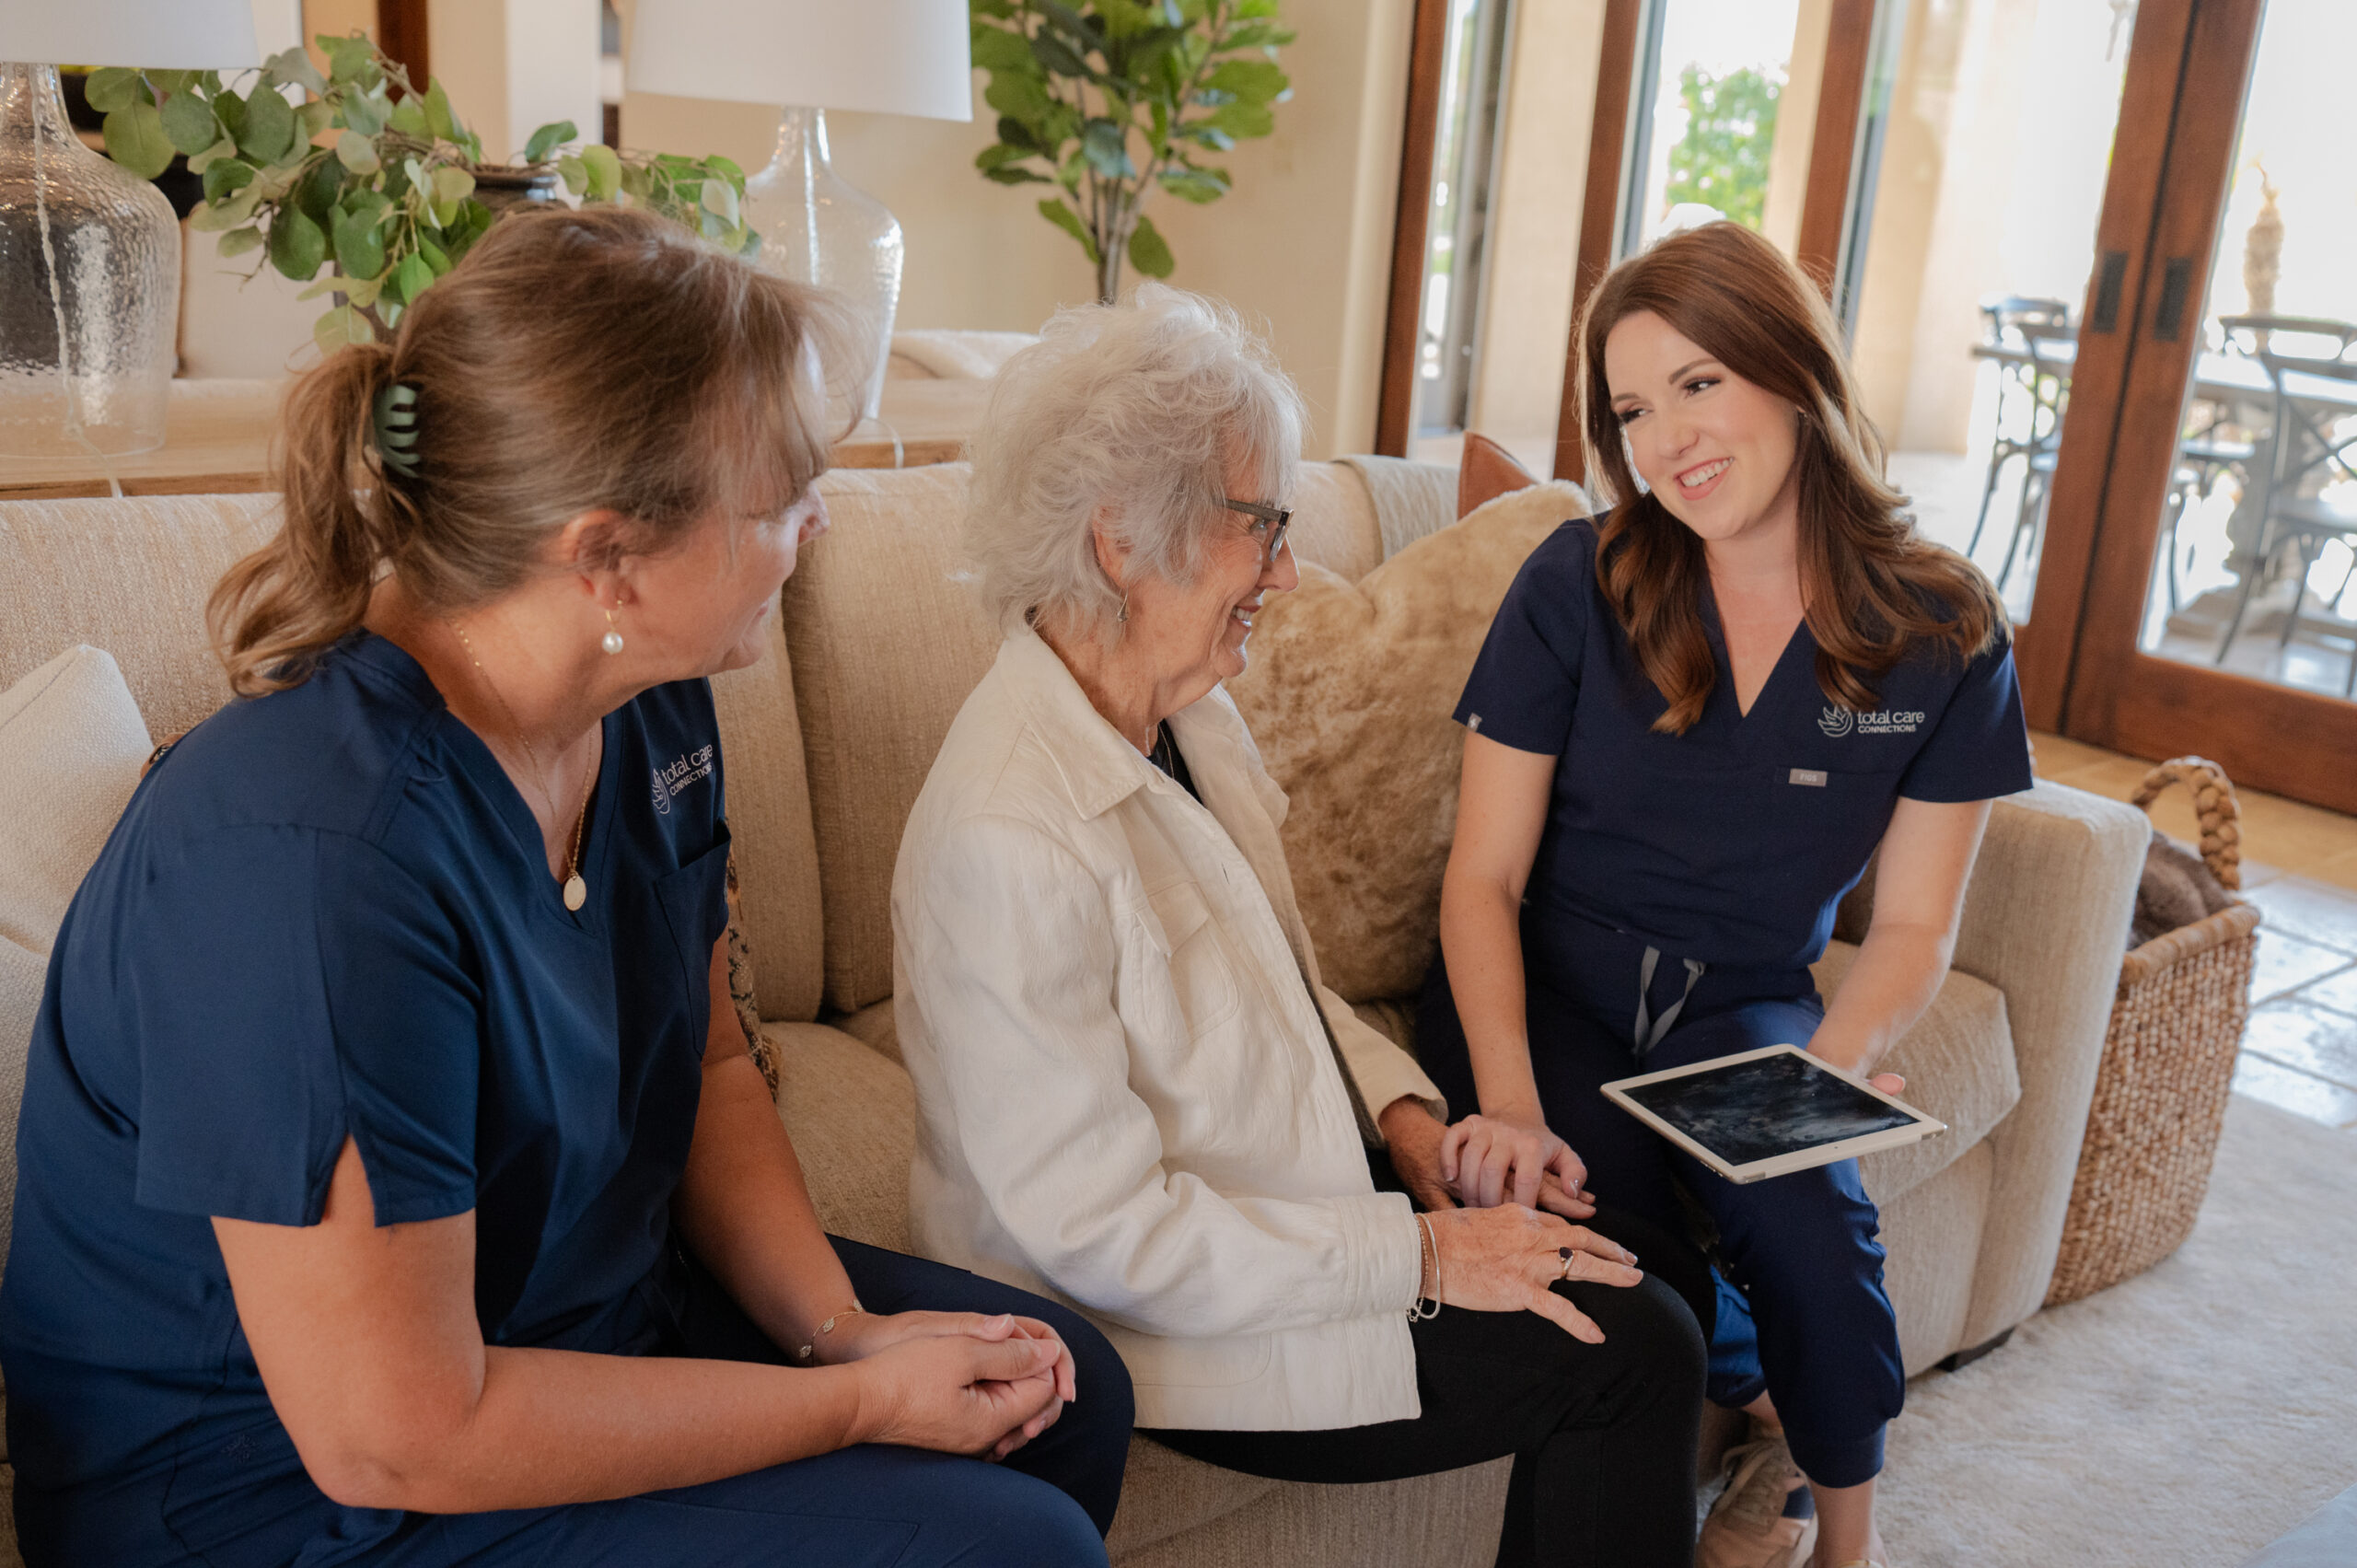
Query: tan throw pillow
{"type": "Point", "coordinates": [71, 746]}
{"type": "Point", "coordinates": [1349, 695]}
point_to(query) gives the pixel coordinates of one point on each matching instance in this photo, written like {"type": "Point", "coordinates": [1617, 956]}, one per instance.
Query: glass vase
{"type": "Point", "coordinates": [89, 287]}
{"type": "Point", "coordinates": [817, 229]}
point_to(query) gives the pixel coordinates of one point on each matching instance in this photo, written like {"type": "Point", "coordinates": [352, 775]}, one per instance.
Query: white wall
{"type": "Point", "coordinates": [514, 65]}
{"type": "Point", "coordinates": [1303, 243]}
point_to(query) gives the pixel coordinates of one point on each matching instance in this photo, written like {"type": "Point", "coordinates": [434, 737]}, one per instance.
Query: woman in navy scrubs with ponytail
{"type": "Point", "coordinates": [1693, 722]}
{"type": "Point", "coordinates": [395, 1188]}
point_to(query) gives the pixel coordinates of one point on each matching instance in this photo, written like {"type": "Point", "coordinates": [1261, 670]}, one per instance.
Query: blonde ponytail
{"type": "Point", "coordinates": [575, 361]}
{"type": "Point", "coordinates": [309, 586]}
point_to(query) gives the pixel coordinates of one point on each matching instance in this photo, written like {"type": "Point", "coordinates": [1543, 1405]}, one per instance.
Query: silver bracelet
{"type": "Point", "coordinates": [1425, 1308]}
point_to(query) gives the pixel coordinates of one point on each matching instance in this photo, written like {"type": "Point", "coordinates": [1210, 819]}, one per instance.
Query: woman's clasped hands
{"type": "Point", "coordinates": [954, 1382]}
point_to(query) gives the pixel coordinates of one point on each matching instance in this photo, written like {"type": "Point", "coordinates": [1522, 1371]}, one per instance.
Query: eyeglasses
{"type": "Point", "coordinates": [1269, 526]}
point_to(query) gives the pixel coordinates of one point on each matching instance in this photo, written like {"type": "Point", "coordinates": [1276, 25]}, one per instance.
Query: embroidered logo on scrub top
{"type": "Point", "coordinates": [687, 768]}
{"type": "Point", "coordinates": [1838, 722]}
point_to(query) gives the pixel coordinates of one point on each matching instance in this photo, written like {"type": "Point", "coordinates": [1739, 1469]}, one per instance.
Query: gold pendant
{"type": "Point", "coordinates": [576, 892]}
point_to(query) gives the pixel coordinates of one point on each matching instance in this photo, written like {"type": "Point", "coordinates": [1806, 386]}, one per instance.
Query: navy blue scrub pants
{"type": "Point", "coordinates": [1801, 1312]}
{"type": "Point", "coordinates": [865, 1507]}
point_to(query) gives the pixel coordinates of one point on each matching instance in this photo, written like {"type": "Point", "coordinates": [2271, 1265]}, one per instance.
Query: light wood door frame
{"type": "Point", "coordinates": [2265, 736]}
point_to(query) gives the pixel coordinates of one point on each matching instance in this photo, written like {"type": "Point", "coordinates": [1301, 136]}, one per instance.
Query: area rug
{"type": "Point", "coordinates": [2181, 1420]}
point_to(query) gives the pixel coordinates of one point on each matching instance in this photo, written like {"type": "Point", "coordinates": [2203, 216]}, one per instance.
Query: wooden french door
{"type": "Point", "coordinates": [2100, 662]}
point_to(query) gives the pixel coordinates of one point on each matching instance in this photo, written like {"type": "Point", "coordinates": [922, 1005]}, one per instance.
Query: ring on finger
{"type": "Point", "coordinates": [1568, 1257]}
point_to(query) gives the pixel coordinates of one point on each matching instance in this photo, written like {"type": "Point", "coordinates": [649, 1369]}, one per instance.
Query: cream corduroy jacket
{"type": "Point", "coordinates": [1125, 1097]}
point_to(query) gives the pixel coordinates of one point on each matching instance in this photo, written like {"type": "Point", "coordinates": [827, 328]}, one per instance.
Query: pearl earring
{"type": "Point", "coordinates": [612, 642]}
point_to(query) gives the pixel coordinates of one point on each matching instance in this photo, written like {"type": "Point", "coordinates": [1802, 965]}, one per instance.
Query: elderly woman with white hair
{"type": "Point", "coordinates": [1135, 1094]}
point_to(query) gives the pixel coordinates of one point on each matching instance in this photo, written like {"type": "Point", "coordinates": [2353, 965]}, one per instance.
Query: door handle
{"type": "Point", "coordinates": [2111, 278]}
{"type": "Point", "coordinates": [2176, 282]}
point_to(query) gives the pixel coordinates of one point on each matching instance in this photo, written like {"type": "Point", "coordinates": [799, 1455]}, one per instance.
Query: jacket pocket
{"type": "Point", "coordinates": [1179, 929]}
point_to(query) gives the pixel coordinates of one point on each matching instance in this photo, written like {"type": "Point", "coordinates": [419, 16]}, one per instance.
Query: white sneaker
{"type": "Point", "coordinates": [1766, 1517]}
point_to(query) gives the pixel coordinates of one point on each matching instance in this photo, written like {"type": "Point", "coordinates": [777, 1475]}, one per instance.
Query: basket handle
{"type": "Point", "coordinates": [2214, 802]}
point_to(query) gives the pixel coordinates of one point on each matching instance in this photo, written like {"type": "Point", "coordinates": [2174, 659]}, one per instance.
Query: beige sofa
{"type": "Point", "coordinates": [827, 741]}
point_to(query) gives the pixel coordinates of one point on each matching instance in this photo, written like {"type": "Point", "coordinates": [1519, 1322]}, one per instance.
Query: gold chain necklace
{"type": "Point", "coordinates": [576, 890]}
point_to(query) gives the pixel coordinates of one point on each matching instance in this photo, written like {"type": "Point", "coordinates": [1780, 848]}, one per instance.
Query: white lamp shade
{"type": "Point", "coordinates": [168, 35]}
{"type": "Point", "coordinates": [883, 56]}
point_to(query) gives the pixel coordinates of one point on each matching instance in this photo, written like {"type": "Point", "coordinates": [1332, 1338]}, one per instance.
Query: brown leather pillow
{"type": "Point", "coordinates": [1486, 471]}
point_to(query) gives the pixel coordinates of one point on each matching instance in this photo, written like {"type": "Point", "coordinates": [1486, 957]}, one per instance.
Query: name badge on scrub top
{"type": "Point", "coordinates": [1808, 776]}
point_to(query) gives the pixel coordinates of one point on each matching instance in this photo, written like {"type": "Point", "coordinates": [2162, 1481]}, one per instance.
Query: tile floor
{"type": "Point", "coordinates": [2299, 1052]}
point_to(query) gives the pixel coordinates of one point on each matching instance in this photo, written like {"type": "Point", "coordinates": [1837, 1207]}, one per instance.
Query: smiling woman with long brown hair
{"type": "Point", "coordinates": [1692, 724]}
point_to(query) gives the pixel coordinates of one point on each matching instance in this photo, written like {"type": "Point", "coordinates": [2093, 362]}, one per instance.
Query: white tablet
{"type": "Point", "coordinates": [1770, 1112]}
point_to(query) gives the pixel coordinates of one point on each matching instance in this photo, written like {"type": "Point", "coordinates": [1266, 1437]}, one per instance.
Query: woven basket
{"type": "Point", "coordinates": [2168, 1064]}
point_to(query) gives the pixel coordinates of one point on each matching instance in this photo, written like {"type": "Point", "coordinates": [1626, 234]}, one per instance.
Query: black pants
{"type": "Point", "coordinates": [1603, 1437]}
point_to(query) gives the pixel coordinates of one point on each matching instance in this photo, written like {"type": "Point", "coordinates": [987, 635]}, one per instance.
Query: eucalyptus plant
{"type": "Point", "coordinates": [1114, 99]}
{"type": "Point", "coordinates": [371, 178]}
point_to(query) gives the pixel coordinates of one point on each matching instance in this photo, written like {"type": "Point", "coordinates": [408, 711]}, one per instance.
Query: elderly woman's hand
{"type": "Point", "coordinates": [1506, 1259]}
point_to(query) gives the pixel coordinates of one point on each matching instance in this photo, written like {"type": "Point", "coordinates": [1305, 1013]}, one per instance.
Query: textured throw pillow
{"type": "Point", "coordinates": [1349, 695]}
{"type": "Point", "coordinates": [2175, 891]}
{"type": "Point", "coordinates": [71, 745]}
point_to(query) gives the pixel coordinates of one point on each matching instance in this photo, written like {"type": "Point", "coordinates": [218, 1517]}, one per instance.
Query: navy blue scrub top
{"type": "Point", "coordinates": [1733, 843]}
{"type": "Point", "coordinates": [327, 913]}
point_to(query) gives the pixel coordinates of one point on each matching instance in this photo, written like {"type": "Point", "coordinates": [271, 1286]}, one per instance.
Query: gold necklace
{"type": "Point", "coordinates": [576, 890]}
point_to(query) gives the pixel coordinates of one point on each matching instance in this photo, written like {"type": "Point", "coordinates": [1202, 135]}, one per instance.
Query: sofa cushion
{"type": "Point", "coordinates": [1165, 1493]}
{"type": "Point", "coordinates": [1959, 1063]}
{"type": "Point", "coordinates": [852, 1117]}
{"type": "Point", "coordinates": [1349, 695]}
{"type": "Point", "coordinates": [71, 746]}
{"type": "Point", "coordinates": [769, 822]}
{"type": "Point", "coordinates": [132, 577]}
{"type": "Point", "coordinates": [874, 1028]}
{"type": "Point", "coordinates": [887, 642]}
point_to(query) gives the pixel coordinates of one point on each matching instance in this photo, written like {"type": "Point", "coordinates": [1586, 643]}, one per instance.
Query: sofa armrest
{"type": "Point", "coordinates": [2046, 919]}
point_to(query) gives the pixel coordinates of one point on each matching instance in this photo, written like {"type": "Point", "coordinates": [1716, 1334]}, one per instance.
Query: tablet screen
{"type": "Point", "coordinates": [1768, 1106]}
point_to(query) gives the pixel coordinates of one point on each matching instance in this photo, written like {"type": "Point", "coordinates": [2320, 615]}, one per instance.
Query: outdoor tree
{"type": "Point", "coordinates": [1730, 133]}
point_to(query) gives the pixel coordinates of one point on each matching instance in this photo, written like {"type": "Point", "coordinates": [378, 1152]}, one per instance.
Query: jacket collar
{"type": "Point", "coordinates": [1098, 769]}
